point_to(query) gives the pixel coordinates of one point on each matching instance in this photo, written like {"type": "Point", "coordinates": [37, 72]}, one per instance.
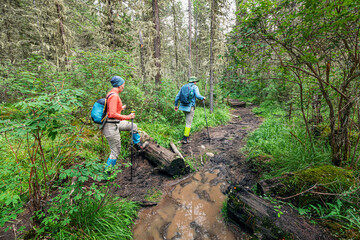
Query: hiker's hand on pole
{"type": "Point", "coordinates": [204, 99]}
{"type": "Point", "coordinates": [132, 115]}
{"type": "Point", "coordinates": [176, 108]}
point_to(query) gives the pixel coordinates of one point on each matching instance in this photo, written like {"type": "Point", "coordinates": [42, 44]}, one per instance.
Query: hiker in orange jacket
{"type": "Point", "coordinates": [116, 122]}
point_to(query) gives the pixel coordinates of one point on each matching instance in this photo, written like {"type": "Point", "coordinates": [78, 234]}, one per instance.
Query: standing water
{"type": "Point", "coordinates": [191, 209]}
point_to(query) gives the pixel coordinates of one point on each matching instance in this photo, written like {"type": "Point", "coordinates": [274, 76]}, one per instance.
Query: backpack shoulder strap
{"type": "Point", "coordinates": [106, 102]}
{"type": "Point", "coordinates": [109, 95]}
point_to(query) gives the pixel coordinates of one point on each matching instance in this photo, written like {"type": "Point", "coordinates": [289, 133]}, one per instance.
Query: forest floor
{"type": "Point", "coordinates": [225, 158]}
{"type": "Point", "coordinates": [225, 144]}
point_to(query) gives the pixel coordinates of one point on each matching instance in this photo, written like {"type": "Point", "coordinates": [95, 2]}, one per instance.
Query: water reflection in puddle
{"type": "Point", "coordinates": [192, 210]}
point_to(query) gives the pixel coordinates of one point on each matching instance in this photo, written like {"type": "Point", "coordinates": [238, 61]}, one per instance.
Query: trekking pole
{"type": "Point", "coordinates": [132, 145]}
{"type": "Point", "coordinates": [207, 126]}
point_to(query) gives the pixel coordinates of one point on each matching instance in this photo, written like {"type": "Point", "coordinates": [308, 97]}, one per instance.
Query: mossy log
{"type": "Point", "coordinates": [268, 221]}
{"type": "Point", "coordinates": [165, 160]}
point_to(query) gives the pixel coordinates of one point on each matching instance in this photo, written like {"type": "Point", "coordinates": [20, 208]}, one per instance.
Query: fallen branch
{"type": "Point", "coordinates": [298, 194]}
{"type": "Point", "coordinates": [308, 190]}
{"type": "Point", "coordinates": [174, 148]}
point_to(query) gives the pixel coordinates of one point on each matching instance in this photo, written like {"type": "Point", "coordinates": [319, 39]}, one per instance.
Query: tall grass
{"type": "Point", "coordinates": [108, 219]}
{"type": "Point", "coordinates": [163, 132]}
{"type": "Point", "coordinates": [285, 143]}
{"type": "Point", "coordinates": [283, 146]}
{"type": "Point", "coordinates": [112, 221]}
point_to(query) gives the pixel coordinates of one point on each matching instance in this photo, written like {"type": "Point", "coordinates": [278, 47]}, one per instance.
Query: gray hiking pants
{"type": "Point", "coordinates": [112, 133]}
{"type": "Point", "coordinates": [189, 116]}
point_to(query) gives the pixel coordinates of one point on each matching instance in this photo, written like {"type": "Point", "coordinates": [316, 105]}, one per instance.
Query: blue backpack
{"type": "Point", "coordinates": [98, 112]}
{"type": "Point", "coordinates": [186, 94]}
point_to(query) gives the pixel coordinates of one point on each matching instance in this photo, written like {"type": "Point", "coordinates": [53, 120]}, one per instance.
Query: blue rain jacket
{"type": "Point", "coordinates": [187, 107]}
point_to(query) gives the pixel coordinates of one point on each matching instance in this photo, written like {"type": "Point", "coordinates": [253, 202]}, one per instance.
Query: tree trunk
{"type": "Point", "coordinates": [197, 65]}
{"type": "Point", "coordinates": [212, 55]}
{"type": "Point", "coordinates": [175, 38]}
{"type": "Point", "coordinates": [142, 63]}
{"type": "Point", "coordinates": [111, 22]}
{"type": "Point", "coordinates": [316, 105]}
{"type": "Point", "coordinates": [190, 27]}
{"type": "Point", "coordinates": [257, 215]}
{"type": "Point", "coordinates": [335, 151]}
{"type": "Point", "coordinates": [302, 110]}
{"type": "Point", "coordinates": [62, 32]}
{"type": "Point", "coordinates": [156, 19]}
{"type": "Point", "coordinates": [166, 161]}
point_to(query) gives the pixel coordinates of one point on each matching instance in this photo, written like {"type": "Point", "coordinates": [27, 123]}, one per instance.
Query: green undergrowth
{"type": "Point", "coordinates": [326, 194]}
{"type": "Point", "coordinates": [83, 210]}
{"type": "Point", "coordinates": [324, 179]}
{"type": "Point", "coordinates": [47, 129]}
{"type": "Point", "coordinates": [163, 132]}
{"type": "Point", "coordinates": [281, 151]}
{"type": "Point", "coordinates": [282, 145]}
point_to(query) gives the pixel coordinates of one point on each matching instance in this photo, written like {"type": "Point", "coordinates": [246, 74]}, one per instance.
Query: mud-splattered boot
{"type": "Point", "coordinates": [185, 140]}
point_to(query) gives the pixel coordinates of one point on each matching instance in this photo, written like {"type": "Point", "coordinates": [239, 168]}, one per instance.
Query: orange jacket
{"type": "Point", "coordinates": [114, 106]}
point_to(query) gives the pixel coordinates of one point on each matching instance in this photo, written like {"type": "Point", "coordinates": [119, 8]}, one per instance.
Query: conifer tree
{"type": "Point", "coordinates": [157, 42]}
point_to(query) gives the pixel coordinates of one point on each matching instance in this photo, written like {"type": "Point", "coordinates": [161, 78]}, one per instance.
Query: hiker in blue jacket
{"type": "Point", "coordinates": [187, 97]}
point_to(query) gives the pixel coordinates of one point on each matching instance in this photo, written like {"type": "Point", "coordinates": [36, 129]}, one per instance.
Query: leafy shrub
{"type": "Point", "coordinates": [79, 212]}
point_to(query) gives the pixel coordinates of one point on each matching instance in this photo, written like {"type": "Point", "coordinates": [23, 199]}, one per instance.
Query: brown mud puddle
{"type": "Point", "coordinates": [190, 209]}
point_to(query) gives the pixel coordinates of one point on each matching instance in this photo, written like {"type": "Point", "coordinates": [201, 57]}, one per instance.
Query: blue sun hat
{"type": "Point", "coordinates": [117, 81]}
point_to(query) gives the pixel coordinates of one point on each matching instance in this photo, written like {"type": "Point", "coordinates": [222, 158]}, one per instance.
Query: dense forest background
{"type": "Point", "coordinates": [299, 61]}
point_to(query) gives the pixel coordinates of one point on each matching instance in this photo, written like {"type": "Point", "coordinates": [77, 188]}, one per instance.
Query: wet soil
{"type": "Point", "coordinates": [226, 142]}
{"type": "Point", "coordinates": [191, 205]}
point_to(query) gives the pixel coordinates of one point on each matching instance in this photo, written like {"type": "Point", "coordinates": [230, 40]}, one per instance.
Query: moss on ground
{"type": "Point", "coordinates": [325, 179]}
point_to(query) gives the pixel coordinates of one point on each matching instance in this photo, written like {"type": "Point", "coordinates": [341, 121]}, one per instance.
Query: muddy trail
{"type": "Point", "coordinates": [190, 207]}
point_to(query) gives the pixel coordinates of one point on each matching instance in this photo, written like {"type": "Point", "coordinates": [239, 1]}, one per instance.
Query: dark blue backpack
{"type": "Point", "coordinates": [98, 112]}
{"type": "Point", "coordinates": [186, 94]}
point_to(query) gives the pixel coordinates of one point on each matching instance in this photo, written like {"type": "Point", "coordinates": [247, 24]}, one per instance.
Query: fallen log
{"type": "Point", "coordinates": [165, 160]}
{"type": "Point", "coordinates": [236, 103]}
{"type": "Point", "coordinates": [269, 221]}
